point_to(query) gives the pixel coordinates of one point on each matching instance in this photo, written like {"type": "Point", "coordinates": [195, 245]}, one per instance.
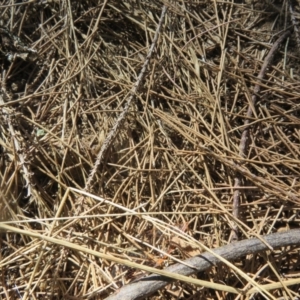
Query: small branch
{"type": "Point", "coordinates": [268, 186]}
{"type": "Point", "coordinates": [295, 23]}
{"type": "Point", "coordinates": [150, 284]}
{"type": "Point", "coordinates": [120, 121]}
{"type": "Point", "coordinates": [246, 132]}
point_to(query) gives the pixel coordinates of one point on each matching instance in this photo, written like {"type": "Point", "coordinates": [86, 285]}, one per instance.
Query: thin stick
{"type": "Point", "coordinates": [295, 23]}
{"type": "Point", "coordinates": [246, 132]}
{"type": "Point", "coordinates": [150, 284]}
{"type": "Point", "coordinates": [120, 121]}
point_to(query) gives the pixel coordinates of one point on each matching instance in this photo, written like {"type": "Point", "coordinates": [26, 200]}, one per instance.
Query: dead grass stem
{"type": "Point", "coordinates": [114, 166]}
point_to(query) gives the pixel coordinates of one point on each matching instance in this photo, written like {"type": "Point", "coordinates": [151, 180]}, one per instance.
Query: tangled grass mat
{"type": "Point", "coordinates": [142, 137]}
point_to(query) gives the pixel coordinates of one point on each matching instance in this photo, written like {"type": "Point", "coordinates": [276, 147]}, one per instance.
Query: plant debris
{"type": "Point", "coordinates": [176, 180]}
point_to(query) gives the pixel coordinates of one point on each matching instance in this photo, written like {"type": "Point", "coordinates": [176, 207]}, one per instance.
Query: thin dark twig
{"type": "Point", "coordinates": [244, 143]}
{"type": "Point", "coordinates": [120, 121]}
{"type": "Point", "coordinates": [295, 23]}
{"type": "Point", "coordinates": [150, 284]}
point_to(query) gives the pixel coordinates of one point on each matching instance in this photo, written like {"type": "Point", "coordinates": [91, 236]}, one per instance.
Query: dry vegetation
{"type": "Point", "coordinates": [205, 153]}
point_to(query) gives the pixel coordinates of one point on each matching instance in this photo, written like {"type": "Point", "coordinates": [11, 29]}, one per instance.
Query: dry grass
{"type": "Point", "coordinates": [176, 178]}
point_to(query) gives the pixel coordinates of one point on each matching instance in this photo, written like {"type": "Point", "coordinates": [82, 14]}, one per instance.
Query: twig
{"type": "Point", "coordinates": [150, 284]}
{"type": "Point", "coordinates": [113, 133]}
{"type": "Point", "coordinates": [259, 181]}
{"type": "Point", "coordinates": [244, 143]}
{"type": "Point", "coordinates": [295, 23]}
